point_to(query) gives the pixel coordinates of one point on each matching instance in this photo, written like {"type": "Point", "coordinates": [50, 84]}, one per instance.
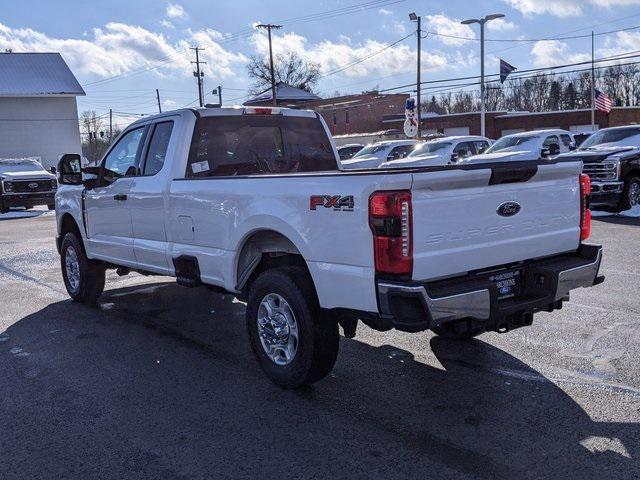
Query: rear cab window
{"type": "Point", "coordinates": [224, 146]}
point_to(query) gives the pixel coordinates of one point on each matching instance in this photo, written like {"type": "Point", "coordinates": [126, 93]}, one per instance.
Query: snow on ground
{"type": "Point", "coordinates": [34, 212]}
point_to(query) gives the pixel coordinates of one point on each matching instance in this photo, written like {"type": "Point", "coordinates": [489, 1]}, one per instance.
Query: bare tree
{"type": "Point", "coordinates": [289, 68]}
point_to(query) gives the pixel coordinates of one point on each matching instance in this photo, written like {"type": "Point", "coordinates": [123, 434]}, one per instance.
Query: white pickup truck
{"type": "Point", "coordinates": [25, 183]}
{"type": "Point", "coordinates": [251, 201]}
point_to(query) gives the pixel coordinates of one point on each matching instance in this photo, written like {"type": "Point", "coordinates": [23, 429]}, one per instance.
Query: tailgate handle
{"type": "Point", "coordinates": [120, 197]}
{"type": "Point", "coordinates": [500, 175]}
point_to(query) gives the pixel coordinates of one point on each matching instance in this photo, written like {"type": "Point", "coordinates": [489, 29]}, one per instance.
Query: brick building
{"type": "Point", "coordinates": [360, 113]}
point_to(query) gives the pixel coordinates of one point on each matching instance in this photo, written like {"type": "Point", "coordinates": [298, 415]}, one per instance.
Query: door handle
{"type": "Point", "coordinates": [120, 197]}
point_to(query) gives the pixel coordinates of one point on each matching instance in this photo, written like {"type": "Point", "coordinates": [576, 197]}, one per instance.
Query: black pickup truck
{"type": "Point", "coordinates": [611, 158]}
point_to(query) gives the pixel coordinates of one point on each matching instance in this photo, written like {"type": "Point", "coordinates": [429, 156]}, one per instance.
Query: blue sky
{"type": "Point", "coordinates": [121, 51]}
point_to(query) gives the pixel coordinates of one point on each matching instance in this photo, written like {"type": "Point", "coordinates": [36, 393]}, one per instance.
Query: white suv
{"type": "Point", "coordinates": [373, 155]}
{"type": "Point", "coordinates": [534, 145]}
{"type": "Point", "coordinates": [441, 151]}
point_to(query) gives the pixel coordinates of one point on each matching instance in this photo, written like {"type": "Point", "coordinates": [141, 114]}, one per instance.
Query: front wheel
{"type": "Point", "coordinates": [83, 278]}
{"type": "Point", "coordinates": [630, 194]}
{"type": "Point", "coordinates": [292, 342]}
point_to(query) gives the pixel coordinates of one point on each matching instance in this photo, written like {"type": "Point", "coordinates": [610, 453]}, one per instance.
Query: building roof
{"type": "Point", "coordinates": [36, 74]}
{"type": "Point", "coordinates": [284, 93]}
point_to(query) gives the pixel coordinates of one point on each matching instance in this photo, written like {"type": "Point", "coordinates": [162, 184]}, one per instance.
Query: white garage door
{"type": "Point", "coordinates": [449, 132]}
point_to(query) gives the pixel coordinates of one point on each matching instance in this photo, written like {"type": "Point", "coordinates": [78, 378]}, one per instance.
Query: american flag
{"type": "Point", "coordinates": [603, 102]}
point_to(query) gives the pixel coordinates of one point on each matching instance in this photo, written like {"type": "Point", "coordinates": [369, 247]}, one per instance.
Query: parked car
{"type": "Point", "coordinates": [373, 155]}
{"type": "Point", "coordinates": [250, 201]}
{"type": "Point", "coordinates": [442, 151]}
{"type": "Point", "coordinates": [25, 183]}
{"type": "Point", "coordinates": [348, 151]}
{"type": "Point", "coordinates": [534, 145]}
{"type": "Point", "coordinates": [611, 158]}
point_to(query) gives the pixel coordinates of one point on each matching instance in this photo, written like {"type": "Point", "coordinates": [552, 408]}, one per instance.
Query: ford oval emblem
{"type": "Point", "coordinates": [508, 209]}
{"type": "Point", "coordinates": [33, 185]}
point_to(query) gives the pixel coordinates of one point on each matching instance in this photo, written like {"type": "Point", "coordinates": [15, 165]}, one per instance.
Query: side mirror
{"type": "Point", "coordinates": [90, 177]}
{"type": "Point", "coordinates": [544, 153]}
{"type": "Point", "coordinates": [554, 149]}
{"type": "Point", "coordinates": [70, 169]}
{"type": "Point", "coordinates": [482, 149]}
{"type": "Point", "coordinates": [454, 157]}
{"type": "Point", "coordinates": [53, 169]}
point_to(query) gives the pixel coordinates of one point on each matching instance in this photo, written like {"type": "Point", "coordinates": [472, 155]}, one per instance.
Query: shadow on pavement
{"type": "Point", "coordinates": [159, 382]}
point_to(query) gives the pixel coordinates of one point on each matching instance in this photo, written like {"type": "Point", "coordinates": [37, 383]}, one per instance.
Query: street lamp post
{"type": "Point", "coordinates": [482, 21]}
{"type": "Point", "coordinates": [415, 18]}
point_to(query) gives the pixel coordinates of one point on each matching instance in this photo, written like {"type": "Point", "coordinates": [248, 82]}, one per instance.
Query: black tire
{"type": "Point", "coordinates": [462, 330]}
{"type": "Point", "coordinates": [51, 207]}
{"type": "Point", "coordinates": [629, 194]}
{"type": "Point", "coordinates": [28, 208]}
{"type": "Point", "coordinates": [88, 288]}
{"type": "Point", "coordinates": [319, 339]}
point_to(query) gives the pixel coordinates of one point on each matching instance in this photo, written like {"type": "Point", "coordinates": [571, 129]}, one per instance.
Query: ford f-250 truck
{"type": "Point", "coordinates": [251, 201]}
{"type": "Point", "coordinates": [611, 158]}
{"type": "Point", "coordinates": [25, 183]}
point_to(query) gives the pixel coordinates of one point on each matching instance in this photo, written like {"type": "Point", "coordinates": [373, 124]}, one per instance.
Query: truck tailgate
{"type": "Point", "coordinates": [457, 226]}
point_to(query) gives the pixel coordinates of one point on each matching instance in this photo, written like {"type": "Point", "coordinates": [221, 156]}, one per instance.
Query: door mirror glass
{"type": "Point", "coordinates": [544, 153]}
{"type": "Point", "coordinates": [70, 169]}
{"type": "Point", "coordinates": [454, 157]}
{"type": "Point", "coordinates": [554, 149]}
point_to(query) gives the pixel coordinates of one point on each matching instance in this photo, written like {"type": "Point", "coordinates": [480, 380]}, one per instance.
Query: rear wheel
{"type": "Point", "coordinates": [83, 278]}
{"type": "Point", "coordinates": [293, 343]}
{"type": "Point", "coordinates": [630, 194]}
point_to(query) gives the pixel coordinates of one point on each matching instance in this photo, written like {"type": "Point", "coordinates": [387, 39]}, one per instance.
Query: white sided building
{"type": "Point", "coordinates": [38, 111]}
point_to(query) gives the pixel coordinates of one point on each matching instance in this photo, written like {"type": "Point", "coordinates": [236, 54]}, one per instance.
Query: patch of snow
{"type": "Point", "coordinates": [631, 213]}
{"type": "Point", "coordinates": [35, 212]}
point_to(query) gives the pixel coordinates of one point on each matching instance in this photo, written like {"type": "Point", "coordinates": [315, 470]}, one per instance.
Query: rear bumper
{"type": "Point", "coordinates": [27, 199]}
{"type": "Point", "coordinates": [544, 284]}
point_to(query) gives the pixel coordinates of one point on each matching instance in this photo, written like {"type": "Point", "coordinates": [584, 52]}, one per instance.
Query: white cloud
{"type": "Point", "coordinates": [554, 52]}
{"type": "Point", "coordinates": [331, 55]}
{"type": "Point", "coordinates": [564, 8]}
{"type": "Point", "coordinates": [384, 11]}
{"type": "Point", "coordinates": [167, 24]}
{"type": "Point", "coordinates": [118, 48]}
{"type": "Point", "coordinates": [175, 11]}
{"type": "Point", "coordinates": [501, 25]}
{"type": "Point", "coordinates": [443, 25]}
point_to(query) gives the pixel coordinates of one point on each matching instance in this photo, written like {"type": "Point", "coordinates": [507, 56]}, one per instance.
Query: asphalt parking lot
{"type": "Point", "coordinates": [159, 382]}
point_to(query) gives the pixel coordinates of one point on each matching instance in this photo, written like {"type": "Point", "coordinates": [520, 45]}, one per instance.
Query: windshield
{"type": "Point", "coordinates": [429, 147]}
{"type": "Point", "coordinates": [370, 150]}
{"type": "Point", "coordinates": [510, 142]}
{"type": "Point", "coordinates": [20, 165]}
{"type": "Point", "coordinates": [622, 137]}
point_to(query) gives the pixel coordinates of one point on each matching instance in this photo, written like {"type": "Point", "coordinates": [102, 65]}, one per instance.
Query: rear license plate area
{"type": "Point", "coordinates": [507, 284]}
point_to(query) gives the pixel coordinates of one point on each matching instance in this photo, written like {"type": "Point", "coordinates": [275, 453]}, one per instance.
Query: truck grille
{"type": "Point", "coordinates": [601, 172]}
{"type": "Point", "coordinates": [31, 186]}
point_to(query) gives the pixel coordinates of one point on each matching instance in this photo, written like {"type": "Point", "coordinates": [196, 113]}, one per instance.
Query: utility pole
{"type": "Point", "coordinates": [417, 19]}
{"type": "Point", "coordinates": [198, 73]}
{"type": "Point", "coordinates": [220, 95]}
{"type": "Point", "coordinates": [158, 97]}
{"type": "Point", "coordinates": [593, 85]}
{"type": "Point", "coordinates": [270, 26]}
{"type": "Point", "coordinates": [110, 125]}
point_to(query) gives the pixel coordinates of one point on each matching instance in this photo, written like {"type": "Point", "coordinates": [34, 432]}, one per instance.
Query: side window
{"type": "Point", "coordinates": [566, 141]}
{"type": "Point", "coordinates": [400, 152]}
{"type": "Point", "coordinates": [123, 158]}
{"type": "Point", "coordinates": [463, 149]}
{"type": "Point", "coordinates": [157, 148]}
{"type": "Point", "coordinates": [550, 140]}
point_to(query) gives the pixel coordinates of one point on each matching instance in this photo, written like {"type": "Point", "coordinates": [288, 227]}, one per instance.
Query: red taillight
{"type": "Point", "coordinates": [390, 222]}
{"type": "Point", "coordinates": [261, 111]}
{"type": "Point", "coordinates": [585, 213]}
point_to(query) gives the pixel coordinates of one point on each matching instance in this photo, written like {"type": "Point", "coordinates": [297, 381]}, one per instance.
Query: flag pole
{"type": "Point", "coordinates": [593, 86]}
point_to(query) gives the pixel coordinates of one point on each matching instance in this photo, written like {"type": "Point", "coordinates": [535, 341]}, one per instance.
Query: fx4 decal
{"type": "Point", "coordinates": [342, 203]}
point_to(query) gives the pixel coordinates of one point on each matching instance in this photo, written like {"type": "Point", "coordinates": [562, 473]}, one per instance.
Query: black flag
{"type": "Point", "coordinates": [505, 70]}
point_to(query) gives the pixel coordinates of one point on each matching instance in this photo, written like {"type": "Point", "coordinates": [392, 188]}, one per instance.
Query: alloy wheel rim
{"type": "Point", "coordinates": [72, 267]}
{"type": "Point", "coordinates": [277, 329]}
